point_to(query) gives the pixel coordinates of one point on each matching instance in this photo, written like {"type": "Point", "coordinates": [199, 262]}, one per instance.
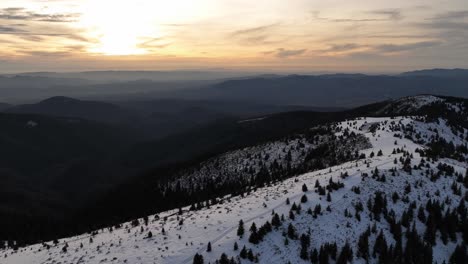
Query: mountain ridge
{"type": "Point", "coordinates": [379, 191]}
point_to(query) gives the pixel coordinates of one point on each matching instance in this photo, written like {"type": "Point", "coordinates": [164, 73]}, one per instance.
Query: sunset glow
{"type": "Point", "coordinates": [303, 35]}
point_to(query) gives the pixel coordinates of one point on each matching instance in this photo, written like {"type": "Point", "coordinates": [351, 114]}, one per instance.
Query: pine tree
{"type": "Point", "coordinates": [363, 245]}
{"type": "Point", "coordinates": [275, 221]}
{"type": "Point", "coordinates": [240, 229]}
{"type": "Point", "coordinates": [304, 254]}
{"type": "Point", "coordinates": [253, 227]}
{"type": "Point", "coordinates": [323, 256]}
{"type": "Point", "coordinates": [236, 247]}
{"type": "Point", "coordinates": [304, 188]}
{"type": "Point", "coordinates": [291, 215]}
{"type": "Point", "coordinates": [380, 246]}
{"type": "Point", "coordinates": [346, 255]}
{"type": "Point", "coordinates": [304, 199]}
{"type": "Point", "coordinates": [305, 243]}
{"type": "Point", "coordinates": [243, 253]}
{"type": "Point", "coordinates": [421, 215]}
{"type": "Point", "coordinates": [223, 259]}
{"type": "Point", "coordinates": [198, 259]}
{"type": "Point", "coordinates": [254, 237]}
{"type": "Point", "coordinates": [459, 255]}
{"type": "Point", "coordinates": [291, 231]}
{"type": "Point", "coordinates": [250, 255]}
{"type": "Point", "coordinates": [314, 256]}
{"type": "Point", "coordinates": [208, 249]}
{"type": "Point", "coordinates": [430, 233]}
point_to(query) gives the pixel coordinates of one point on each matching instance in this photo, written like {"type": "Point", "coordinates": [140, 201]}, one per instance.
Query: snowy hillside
{"type": "Point", "coordinates": [398, 201]}
{"type": "Point", "coordinates": [272, 161]}
{"type": "Point", "coordinates": [420, 103]}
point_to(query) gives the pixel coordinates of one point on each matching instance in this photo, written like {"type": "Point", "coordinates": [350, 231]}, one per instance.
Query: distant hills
{"type": "Point", "coordinates": [65, 106]}
{"type": "Point", "coordinates": [328, 90]}
{"type": "Point", "coordinates": [457, 73]}
{"type": "Point", "coordinates": [4, 106]}
{"type": "Point", "coordinates": [334, 90]}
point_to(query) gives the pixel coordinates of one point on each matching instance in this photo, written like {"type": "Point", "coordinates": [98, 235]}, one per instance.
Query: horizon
{"type": "Point", "coordinates": [239, 73]}
{"type": "Point", "coordinates": [272, 36]}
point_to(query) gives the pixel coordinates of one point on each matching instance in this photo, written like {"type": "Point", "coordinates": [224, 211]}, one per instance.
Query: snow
{"type": "Point", "coordinates": [412, 103]}
{"type": "Point", "coordinates": [218, 224]}
{"type": "Point", "coordinates": [31, 124]}
{"type": "Point", "coordinates": [252, 120]}
{"type": "Point", "coordinates": [419, 101]}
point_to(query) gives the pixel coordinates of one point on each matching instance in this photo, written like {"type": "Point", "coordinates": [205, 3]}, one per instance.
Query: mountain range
{"type": "Point", "coordinates": [358, 185]}
{"type": "Point", "coordinates": [327, 90]}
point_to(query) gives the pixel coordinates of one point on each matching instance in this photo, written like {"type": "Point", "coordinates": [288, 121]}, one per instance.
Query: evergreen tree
{"type": "Point", "coordinates": [275, 221]}
{"type": "Point", "coordinates": [459, 255]}
{"type": "Point", "coordinates": [240, 229]}
{"type": "Point", "coordinates": [291, 231]}
{"type": "Point", "coordinates": [198, 259]}
{"type": "Point", "coordinates": [314, 258]}
{"type": "Point", "coordinates": [250, 255]}
{"type": "Point", "coordinates": [305, 243]}
{"type": "Point", "coordinates": [346, 255]}
{"type": "Point", "coordinates": [363, 245]}
{"type": "Point", "coordinates": [223, 259]}
{"type": "Point", "coordinates": [208, 248]}
{"type": "Point", "coordinates": [243, 253]}
{"type": "Point", "coordinates": [254, 237]}
{"type": "Point", "coordinates": [291, 215]}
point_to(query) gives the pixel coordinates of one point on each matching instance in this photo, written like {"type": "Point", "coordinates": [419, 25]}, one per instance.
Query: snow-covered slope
{"type": "Point", "coordinates": [274, 160]}
{"type": "Point", "coordinates": [426, 103]}
{"type": "Point", "coordinates": [383, 193]}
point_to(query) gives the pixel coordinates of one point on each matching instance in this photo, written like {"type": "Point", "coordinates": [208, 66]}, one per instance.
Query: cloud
{"type": "Point", "coordinates": [451, 15]}
{"type": "Point", "coordinates": [284, 53]}
{"type": "Point", "coordinates": [392, 48]}
{"type": "Point", "coordinates": [254, 35]}
{"type": "Point", "coordinates": [154, 44]}
{"type": "Point", "coordinates": [9, 30]}
{"type": "Point", "coordinates": [342, 47]}
{"type": "Point", "coordinates": [39, 32]}
{"type": "Point", "coordinates": [66, 51]}
{"type": "Point", "coordinates": [19, 13]}
{"type": "Point", "coordinates": [253, 30]}
{"type": "Point", "coordinates": [379, 15]}
{"type": "Point", "coordinates": [391, 14]}
{"type": "Point", "coordinates": [446, 25]}
{"type": "Point", "coordinates": [448, 21]}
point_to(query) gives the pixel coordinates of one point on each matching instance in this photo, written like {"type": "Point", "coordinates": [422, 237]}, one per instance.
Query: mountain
{"type": "Point", "coordinates": [70, 107]}
{"type": "Point", "coordinates": [74, 163]}
{"type": "Point", "coordinates": [341, 90]}
{"type": "Point", "coordinates": [4, 106]}
{"type": "Point", "coordinates": [47, 164]}
{"type": "Point", "coordinates": [446, 73]}
{"type": "Point", "coordinates": [125, 76]}
{"type": "Point", "coordinates": [328, 90]}
{"type": "Point", "coordinates": [376, 188]}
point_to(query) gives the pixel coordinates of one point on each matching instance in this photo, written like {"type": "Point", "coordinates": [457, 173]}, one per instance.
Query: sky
{"type": "Point", "coordinates": [261, 35]}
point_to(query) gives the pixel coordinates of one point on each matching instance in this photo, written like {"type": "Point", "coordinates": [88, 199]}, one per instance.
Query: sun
{"type": "Point", "coordinates": [119, 26]}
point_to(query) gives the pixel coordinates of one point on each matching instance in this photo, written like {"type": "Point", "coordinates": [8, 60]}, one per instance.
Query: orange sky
{"type": "Point", "coordinates": [261, 35]}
